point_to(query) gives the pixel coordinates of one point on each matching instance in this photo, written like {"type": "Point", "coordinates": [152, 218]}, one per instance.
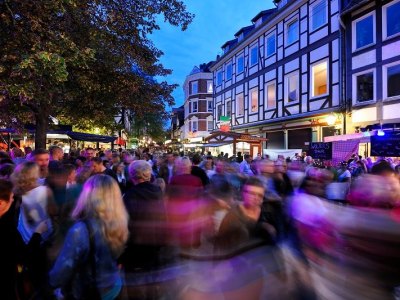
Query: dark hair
{"type": "Point", "coordinates": [69, 168]}
{"type": "Point", "coordinates": [53, 149]}
{"type": "Point", "coordinates": [6, 170]}
{"type": "Point", "coordinates": [39, 151]}
{"type": "Point", "coordinates": [97, 160]}
{"type": "Point", "coordinates": [246, 156]}
{"type": "Point", "coordinates": [254, 181]}
{"type": "Point", "coordinates": [382, 167]}
{"type": "Point", "coordinates": [5, 189]}
{"type": "Point", "coordinates": [4, 161]}
{"type": "Point", "coordinates": [196, 159]}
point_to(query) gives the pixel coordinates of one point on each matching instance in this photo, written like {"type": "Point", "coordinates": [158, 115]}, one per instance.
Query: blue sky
{"type": "Point", "coordinates": [216, 22]}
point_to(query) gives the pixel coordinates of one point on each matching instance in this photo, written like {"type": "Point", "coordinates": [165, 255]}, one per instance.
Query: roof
{"type": "Point", "coordinates": [264, 14]}
{"type": "Point", "coordinates": [229, 43]}
{"type": "Point", "coordinates": [353, 5]}
{"type": "Point", "coordinates": [245, 30]}
{"type": "Point", "coordinates": [87, 137]}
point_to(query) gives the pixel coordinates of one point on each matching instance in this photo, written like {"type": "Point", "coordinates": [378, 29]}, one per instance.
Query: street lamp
{"type": "Point", "coordinates": [331, 119]}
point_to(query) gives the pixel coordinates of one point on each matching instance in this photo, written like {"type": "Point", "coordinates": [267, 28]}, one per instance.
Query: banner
{"type": "Point", "coordinates": [387, 145]}
{"type": "Point", "coordinates": [321, 150]}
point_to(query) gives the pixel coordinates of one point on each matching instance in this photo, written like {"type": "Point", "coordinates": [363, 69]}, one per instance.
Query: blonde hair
{"type": "Point", "coordinates": [101, 199]}
{"type": "Point", "coordinates": [25, 177]}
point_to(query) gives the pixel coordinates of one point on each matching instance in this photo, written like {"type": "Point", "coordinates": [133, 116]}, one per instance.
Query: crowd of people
{"type": "Point", "coordinates": [105, 224]}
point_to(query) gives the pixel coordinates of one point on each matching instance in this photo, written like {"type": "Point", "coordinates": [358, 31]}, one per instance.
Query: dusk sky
{"type": "Point", "coordinates": [216, 22]}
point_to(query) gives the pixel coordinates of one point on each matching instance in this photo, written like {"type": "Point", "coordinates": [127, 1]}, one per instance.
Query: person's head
{"type": "Point", "coordinates": [253, 192]}
{"type": "Point", "coordinates": [247, 158]}
{"type": "Point", "coordinates": [97, 165]}
{"type": "Point", "coordinates": [70, 171]}
{"type": "Point", "coordinates": [140, 171]}
{"type": "Point", "coordinates": [316, 181]}
{"type": "Point", "coordinates": [196, 159]}
{"type": "Point", "coordinates": [25, 177]}
{"type": "Point", "coordinates": [220, 166]}
{"type": "Point", "coordinates": [183, 165]}
{"type": "Point", "coordinates": [6, 196]}
{"type": "Point", "coordinates": [308, 160]}
{"type": "Point", "coordinates": [101, 199]}
{"type": "Point", "coordinates": [280, 166]}
{"type": "Point", "coordinates": [56, 153]}
{"type": "Point", "coordinates": [42, 158]}
{"type": "Point", "coordinates": [115, 158]}
{"type": "Point", "coordinates": [57, 174]}
{"type": "Point", "coordinates": [27, 150]}
{"type": "Point", "coordinates": [16, 152]}
{"type": "Point", "coordinates": [80, 161]}
{"type": "Point", "coordinates": [89, 153]}
{"type": "Point", "coordinates": [382, 168]}
{"type": "Point", "coordinates": [108, 154]}
{"type": "Point", "coordinates": [6, 170]}
{"type": "Point", "coordinates": [119, 168]}
{"type": "Point", "coordinates": [83, 173]}
{"type": "Point", "coordinates": [265, 167]}
{"type": "Point", "coordinates": [160, 183]}
{"type": "Point", "coordinates": [170, 158]}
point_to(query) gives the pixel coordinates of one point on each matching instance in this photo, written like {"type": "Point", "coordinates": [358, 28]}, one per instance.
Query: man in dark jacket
{"type": "Point", "coordinates": [199, 172]}
{"type": "Point", "coordinates": [147, 217]}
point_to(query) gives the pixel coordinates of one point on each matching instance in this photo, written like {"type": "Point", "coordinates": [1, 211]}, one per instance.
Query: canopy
{"type": "Point", "coordinates": [87, 137]}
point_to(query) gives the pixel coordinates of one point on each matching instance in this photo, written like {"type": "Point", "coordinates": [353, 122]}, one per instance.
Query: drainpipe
{"type": "Point", "coordinates": [342, 64]}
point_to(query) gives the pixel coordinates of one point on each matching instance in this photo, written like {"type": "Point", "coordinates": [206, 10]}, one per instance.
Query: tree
{"type": "Point", "coordinates": [82, 60]}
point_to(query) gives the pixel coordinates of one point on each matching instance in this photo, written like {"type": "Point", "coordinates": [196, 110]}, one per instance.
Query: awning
{"type": "Point", "coordinates": [87, 137]}
{"type": "Point", "coordinates": [215, 144]}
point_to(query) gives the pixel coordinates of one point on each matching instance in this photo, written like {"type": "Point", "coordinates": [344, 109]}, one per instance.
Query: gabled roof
{"type": "Point", "coordinates": [245, 30]}
{"type": "Point", "coordinates": [264, 14]}
{"type": "Point", "coordinates": [195, 70]}
{"type": "Point", "coordinates": [229, 43]}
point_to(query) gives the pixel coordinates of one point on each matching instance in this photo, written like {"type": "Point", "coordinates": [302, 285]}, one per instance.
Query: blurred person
{"type": "Point", "coordinates": [167, 169]}
{"type": "Point", "coordinates": [15, 253]}
{"type": "Point", "coordinates": [309, 162]}
{"type": "Point", "coordinates": [344, 175]}
{"type": "Point", "coordinates": [6, 170]}
{"type": "Point", "coordinates": [89, 153]}
{"type": "Point", "coordinates": [382, 168]}
{"type": "Point", "coordinates": [245, 167]}
{"type": "Point", "coordinates": [145, 205]}
{"type": "Point", "coordinates": [119, 171]}
{"type": "Point", "coordinates": [199, 172]}
{"type": "Point", "coordinates": [56, 153]}
{"type": "Point", "coordinates": [93, 244]}
{"type": "Point", "coordinates": [209, 166]}
{"type": "Point", "coordinates": [70, 171]}
{"type": "Point", "coordinates": [42, 158]}
{"type": "Point", "coordinates": [115, 159]}
{"type": "Point", "coordinates": [80, 161]}
{"type": "Point", "coordinates": [99, 168]}
{"type": "Point", "coordinates": [17, 155]}
{"type": "Point", "coordinates": [28, 153]}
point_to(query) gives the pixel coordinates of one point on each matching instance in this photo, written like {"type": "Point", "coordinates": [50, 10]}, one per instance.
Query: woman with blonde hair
{"type": "Point", "coordinates": [87, 265]}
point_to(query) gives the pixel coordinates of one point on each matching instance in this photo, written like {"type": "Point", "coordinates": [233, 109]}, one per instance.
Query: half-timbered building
{"type": "Point", "coordinates": [279, 78]}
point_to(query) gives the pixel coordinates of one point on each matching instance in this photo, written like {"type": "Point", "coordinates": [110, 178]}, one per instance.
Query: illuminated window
{"type": "Point", "coordinates": [209, 86]}
{"type": "Point", "coordinates": [254, 100]}
{"type": "Point", "coordinates": [319, 79]}
{"type": "Point", "coordinates": [240, 104]}
{"type": "Point", "coordinates": [270, 94]}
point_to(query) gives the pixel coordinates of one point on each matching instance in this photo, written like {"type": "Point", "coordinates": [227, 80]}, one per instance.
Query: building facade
{"type": "Point", "coordinates": [198, 105]}
{"type": "Point", "coordinates": [372, 65]}
{"type": "Point", "coordinates": [280, 77]}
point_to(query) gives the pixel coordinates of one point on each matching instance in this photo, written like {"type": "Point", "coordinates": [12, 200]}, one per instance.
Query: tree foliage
{"type": "Point", "coordinates": [82, 60]}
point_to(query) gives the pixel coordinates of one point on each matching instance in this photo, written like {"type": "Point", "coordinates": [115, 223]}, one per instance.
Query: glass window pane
{"type": "Point", "coordinates": [254, 56]}
{"type": "Point", "coordinates": [393, 81]}
{"type": "Point", "coordinates": [292, 32]}
{"type": "Point", "coordinates": [364, 32]}
{"type": "Point", "coordinates": [210, 125]}
{"type": "Point", "coordinates": [219, 77]}
{"type": "Point", "coordinates": [393, 19]}
{"type": "Point", "coordinates": [271, 45]}
{"type": "Point", "coordinates": [240, 104]}
{"type": "Point", "coordinates": [365, 87]}
{"type": "Point", "coordinates": [271, 96]}
{"type": "Point", "coordinates": [228, 108]}
{"type": "Point", "coordinates": [293, 91]}
{"type": "Point", "coordinates": [319, 77]}
{"type": "Point", "coordinates": [219, 112]}
{"type": "Point", "coordinates": [240, 64]}
{"type": "Point", "coordinates": [319, 15]}
{"type": "Point", "coordinates": [210, 106]}
{"type": "Point", "coordinates": [209, 87]}
{"type": "Point", "coordinates": [229, 72]}
{"type": "Point", "coordinates": [254, 101]}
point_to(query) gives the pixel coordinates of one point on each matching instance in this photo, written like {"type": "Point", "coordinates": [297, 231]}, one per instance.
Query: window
{"type": "Point", "coordinates": [319, 79]}
{"type": "Point", "coordinates": [240, 64]}
{"type": "Point", "coordinates": [318, 14]}
{"type": "Point", "coordinates": [240, 104]}
{"type": "Point", "coordinates": [209, 86]}
{"type": "Point", "coordinates": [229, 72]}
{"type": "Point", "coordinates": [194, 126]}
{"type": "Point", "coordinates": [363, 30]}
{"type": "Point", "coordinates": [270, 95]}
{"type": "Point", "coordinates": [254, 100]}
{"type": "Point", "coordinates": [219, 111]}
{"type": "Point", "coordinates": [210, 125]}
{"type": "Point", "coordinates": [194, 87]}
{"type": "Point", "coordinates": [254, 56]}
{"type": "Point", "coordinates": [393, 80]}
{"type": "Point", "coordinates": [228, 108]}
{"type": "Point", "coordinates": [292, 32]}
{"type": "Point", "coordinates": [292, 87]}
{"type": "Point", "coordinates": [364, 87]}
{"type": "Point", "coordinates": [219, 77]}
{"type": "Point", "coordinates": [391, 16]}
{"type": "Point", "coordinates": [271, 44]}
{"type": "Point", "coordinates": [194, 106]}
{"type": "Point", "coordinates": [209, 105]}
